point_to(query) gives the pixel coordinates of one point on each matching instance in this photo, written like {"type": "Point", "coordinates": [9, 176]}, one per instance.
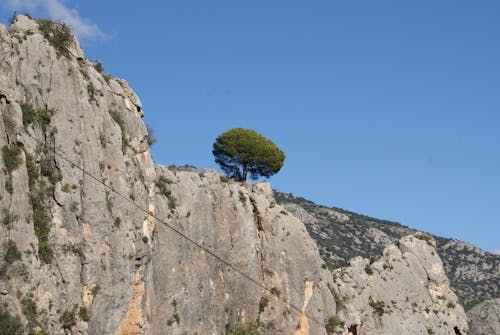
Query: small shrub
{"type": "Point", "coordinates": [58, 35]}
{"type": "Point", "coordinates": [68, 319]}
{"type": "Point", "coordinates": [12, 254]}
{"type": "Point", "coordinates": [243, 198]}
{"type": "Point", "coordinates": [98, 66]}
{"type": "Point", "coordinates": [378, 306]}
{"type": "Point", "coordinates": [11, 157]}
{"type": "Point", "coordinates": [9, 325]}
{"type": "Point", "coordinates": [83, 313]}
{"type": "Point", "coordinates": [8, 218]}
{"type": "Point", "coordinates": [263, 304]}
{"type": "Point", "coordinates": [121, 123]}
{"type": "Point", "coordinates": [30, 311]}
{"type": "Point", "coordinates": [248, 328]}
{"type": "Point", "coordinates": [275, 291]}
{"type": "Point", "coordinates": [162, 184]}
{"type": "Point", "coordinates": [39, 117]}
{"type": "Point", "coordinates": [450, 305]}
{"type": "Point", "coordinates": [426, 238]}
{"type": "Point", "coordinates": [9, 187]}
{"type": "Point", "coordinates": [333, 322]}
{"type": "Point", "coordinates": [150, 138]}
{"type": "Point", "coordinates": [95, 290]}
{"type": "Point", "coordinates": [368, 269]}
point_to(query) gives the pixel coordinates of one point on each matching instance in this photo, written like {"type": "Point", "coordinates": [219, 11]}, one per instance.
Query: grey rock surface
{"type": "Point", "coordinates": [403, 291]}
{"type": "Point", "coordinates": [484, 318]}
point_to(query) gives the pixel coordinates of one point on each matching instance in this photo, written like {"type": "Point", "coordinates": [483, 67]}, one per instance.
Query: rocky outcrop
{"type": "Point", "coordinates": [193, 291]}
{"type": "Point", "coordinates": [341, 235]}
{"type": "Point", "coordinates": [484, 318]}
{"type": "Point", "coordinates": [75, 240]}
{"type": "Point", "coordinates": [96, 240]}
{"type": "Point", "coordinates": [403, 291]}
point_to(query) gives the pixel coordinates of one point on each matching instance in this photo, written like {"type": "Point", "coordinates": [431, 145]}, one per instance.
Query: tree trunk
{"type": "Point", "coordinates": [244, 175]}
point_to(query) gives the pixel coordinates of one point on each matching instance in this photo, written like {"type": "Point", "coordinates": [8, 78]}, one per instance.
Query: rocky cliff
{"type": "Point", "coordinates": [96, 240]}
{"type": "Point", "coordinates": [485, 318]}
{"type": "Point", "coordinates": [474, 274]}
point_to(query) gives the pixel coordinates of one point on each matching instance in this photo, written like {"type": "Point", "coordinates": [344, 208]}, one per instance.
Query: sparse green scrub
{"type": "Point", "coordinates": [121, 123]}
{"type": "Point", "coordinates": [84, 315]}
{"type": "Point", "coordinates": [11, 157]}
{"type": "Point", "coordinates": [275, 291]}
{"type": "Point", "coordinates": [150, 138]}
{"type": "Point", "coordinates": [39, 117]}
{"type": "Point", "coordinates": [377, 306]}
{"type": "Point", "coordinates": [175, 316]}
{"type": "Point", "coordinates": [243, 198]}
{"type": "Point", "coordinates": [426, 238]}
{"type": "Point", "coordinates": [68, 318]}
{"type": "Point", "coordinates": [58, 35]}
{"type": "Point", "coordinates": [9, 324]}
{"type": "Point", "coordinates": [30, 311]}
{"type": "Point", "coordinates": [263, 304]}
{"type": "Point", "coordinates": [248, 328]}
{"type": "Point", "coordinates": [42, 221]}
{"type": "Point", "coordinates": [333, 322]}
{"type": "Point", "coordinates": [8, 218]}
{"type": "Point", "coordinates": [368, 269]}
{"type": "Point", "coordinates": [12, 254]}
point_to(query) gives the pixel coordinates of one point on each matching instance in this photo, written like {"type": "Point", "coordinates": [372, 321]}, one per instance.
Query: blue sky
{"type": "Point", "coordinates": [386, 108]}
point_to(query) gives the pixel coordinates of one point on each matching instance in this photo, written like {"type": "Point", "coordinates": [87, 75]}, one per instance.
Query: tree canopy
{"type": "Point", "coordinates": [240, 152]}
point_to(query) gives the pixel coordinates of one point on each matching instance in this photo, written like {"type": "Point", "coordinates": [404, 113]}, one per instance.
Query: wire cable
{"type": "Point", "coordinates": [177, 231]}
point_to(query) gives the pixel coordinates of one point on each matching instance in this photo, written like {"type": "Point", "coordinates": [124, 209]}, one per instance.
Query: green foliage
{"type": "Point", "coordinates": [275, 291]}
{"type": "Point", "coordinates": [368, 269]}
{"type": "Point", "coordinates": [333, 322]}
{"type": "Point", "coordinates": [68, 318]}
{"type": "Point", "coordinates": [241, 151]}
{"type": "Point", "coordinates": [30, 311]}
{"type": "Point", "coordinates": [121, 123]}
{"type": "Point", "coordinates": [150, 138]}
{"type": "Point", "coordinates": [378, 306]}
{"type": "Point", "coordinates": [42, 221]}
{"type": "Point", "coordinates": [58, 35]}
{"type": "Point", "coordinates": [98, 66]}
{"type": "Point", "coordinates": [8, 218]}
{"type": "Point", "coordinates": [95, 290]}
{"type": "Point", "coordinates": [263, 304]}
{"type": "Point", "coordinates": [32, 169]}
{"type": "Point", "coordinates": [39, 117]}
{"type": "Point", "coordinates": [9, 325]}
{"type": "Point", "coordinates": [11, 157]}
{"type": "Point", "coordinates": [426, 238]}
{"type": "Point", "coordinates": [83, 313]}
{"type": "Point", "coordinates": [248, 328]}
{"type": "Point", "coordinates": [12, 254]}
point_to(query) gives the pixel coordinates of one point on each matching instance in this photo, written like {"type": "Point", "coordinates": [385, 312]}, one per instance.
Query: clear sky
{"type": "Point", "coordinates": [386, 108]}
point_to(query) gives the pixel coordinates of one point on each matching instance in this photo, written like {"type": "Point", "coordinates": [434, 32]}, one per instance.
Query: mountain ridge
{"type": "Point", "coordinates": [324, 224]}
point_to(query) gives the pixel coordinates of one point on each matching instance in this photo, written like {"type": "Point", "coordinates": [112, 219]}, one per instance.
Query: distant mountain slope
{"type": "Point", "coordinates": [341, 235]}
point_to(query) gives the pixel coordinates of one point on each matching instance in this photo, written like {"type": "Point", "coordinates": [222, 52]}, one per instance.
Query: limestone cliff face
{"type": "Point", "coordinates": [403, 291]}
{"type": "Point", "coordinates": [484, 318]}
{"type": "Point", "coordinates": [78, 241]}
{"type": "Point", "coordinates": [95, 240]}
